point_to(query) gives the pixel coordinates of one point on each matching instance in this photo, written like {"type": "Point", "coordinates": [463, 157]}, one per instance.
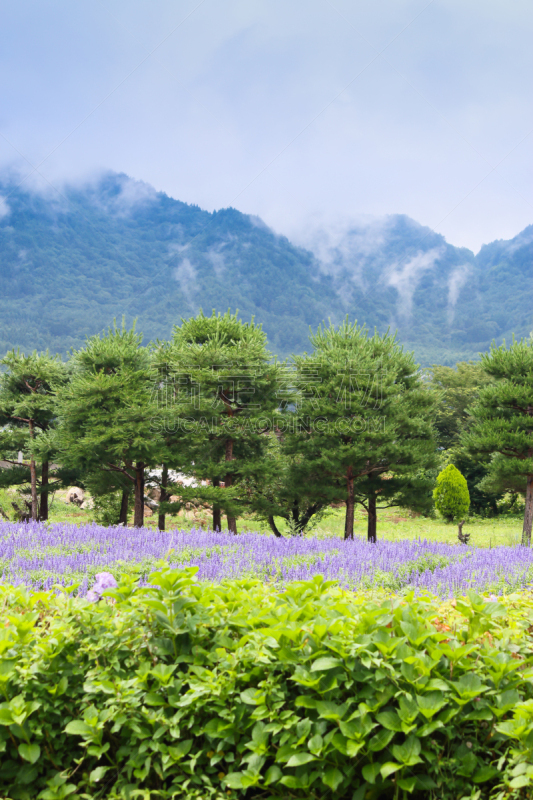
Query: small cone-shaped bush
{"type": "Point", "coordinates": [451, 494]}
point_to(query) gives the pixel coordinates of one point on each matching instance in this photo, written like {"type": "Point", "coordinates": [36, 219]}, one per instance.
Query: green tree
{"type": "Point", "coordinates": [293, 491]}
{"type": "Point", "coordinates": [457, 389]}
{"type": "Point", "coordinates": [28, 388]}
{"type": "Point", "coordinates": [227, 395]}
{"type": "Point", "coordinates": [451, 494]}
{"type": "Point", "coordinates": [364, 415]}
{"type": "Point", "coordinates": [106, 415]}
{"type": "Point", "coordinates": [502, 421]}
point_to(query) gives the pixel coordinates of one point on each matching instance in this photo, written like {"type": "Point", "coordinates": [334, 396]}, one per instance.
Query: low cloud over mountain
{"type": "Point", "coordinates": [116, 247]}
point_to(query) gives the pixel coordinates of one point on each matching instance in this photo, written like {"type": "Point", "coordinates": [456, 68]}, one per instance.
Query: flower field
{"type": "Point", "coordinates": [42, 556]}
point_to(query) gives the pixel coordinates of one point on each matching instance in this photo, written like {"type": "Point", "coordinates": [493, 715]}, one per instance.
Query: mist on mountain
{"type": "Point", "coordinates": [73, 261]}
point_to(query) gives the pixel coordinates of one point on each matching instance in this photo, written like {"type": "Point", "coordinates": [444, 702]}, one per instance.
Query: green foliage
{"type": "Point", "coordinates": [107, 507]}
{"type": "Point", "coordinates": [107, 411]}
{"type": "Point", "coordinates": [502, 424]}
{"type": "Point", "coordinates": [451, 494]}
{"type": "Point", "coordinates": [189, 690]}
{"type": "Point", "coordinates": [457, 390]}
{"type": "Point", "coordinates": [226, 392]}
{"type": "Point", "coordinates": [363, 423]}
{"type": "Point", "coordinates": [69, 269]}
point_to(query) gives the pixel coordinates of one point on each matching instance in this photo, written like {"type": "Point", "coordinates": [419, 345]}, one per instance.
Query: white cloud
{"type": "Point", "coordinates": [283, 110]}
{"type": "Point", "coordinates": [217, 260]}
{"type": "Point", "coordinates": [404, 277]}
{"type": "Point", "coordinates": [4, 207]}
{"type": "Point", "coordinates": [185, 274]}
{"type": "Point", "coordinates": [456, 281]}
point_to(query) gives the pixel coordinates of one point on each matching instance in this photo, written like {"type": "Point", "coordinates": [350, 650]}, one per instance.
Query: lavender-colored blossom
{"type": "Point", "coordinates": [104, 580]}
{"type": "Point", "coordinates": [42, 556]}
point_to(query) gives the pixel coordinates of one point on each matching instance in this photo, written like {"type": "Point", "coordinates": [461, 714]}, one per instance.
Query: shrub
{"type": "Point", "coordinates": [451, 494]}
{"type": "Point", "coordinates": [239, 691]}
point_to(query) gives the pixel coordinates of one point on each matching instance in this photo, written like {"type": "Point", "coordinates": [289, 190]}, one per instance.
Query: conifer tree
{"type": "Point", "coordinates": [228, 399]}
{"type": "Point", "coordinates": [107, 411]}
{"type": "Point", "coordinates": [451, 494]}
{"type": "Point", "coordinates": [28, 410]}
{"type": "Point", "coordinates": [502, 418]}
{"type": "Point", "coordinates": [363, 414]}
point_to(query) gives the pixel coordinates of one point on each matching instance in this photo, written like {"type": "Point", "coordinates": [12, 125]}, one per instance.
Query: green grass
{"type": "Point", "coordinates": [393, 524]}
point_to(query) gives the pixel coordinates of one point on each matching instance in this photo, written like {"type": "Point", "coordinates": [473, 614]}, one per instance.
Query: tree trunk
{"type": "Point", "coordinates": [43, 515]}
{"type": "Point", "coordinates": [350, 505]}
{"type": "Point", "coordinates": [217, 513]}
{"type": "Point", "coordinates": [138, 514]}
{"type": "Point", "coordinates": [33, 479]}
{"type": "Point", "coordinates": [123, 518]}
{"type": "Point", "coordinates": [161, 521]}
{"type": "Point", "coordinates": [528, 513]}
{"type": "Point", "coordinates": [232, 522]}
{"type": "Point", "coordinates": [372, 519]}
{"type": "Point", "coordinates": [274, 527]}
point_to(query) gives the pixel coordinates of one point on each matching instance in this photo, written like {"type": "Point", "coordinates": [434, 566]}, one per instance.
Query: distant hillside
{"type": "Point", "coordinates": [69, 265]}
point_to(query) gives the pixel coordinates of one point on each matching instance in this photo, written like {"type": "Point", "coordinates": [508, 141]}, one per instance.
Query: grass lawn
{"type": "Point", "coordinates": [393, 524]}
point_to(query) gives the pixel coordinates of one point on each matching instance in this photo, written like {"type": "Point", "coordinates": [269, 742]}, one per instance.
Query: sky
{"type": "Point", "coordinates": [308, 113]}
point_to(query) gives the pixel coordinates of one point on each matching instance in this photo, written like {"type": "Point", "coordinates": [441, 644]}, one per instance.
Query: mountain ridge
{"type": "Point", "coordinates": [70, 264]}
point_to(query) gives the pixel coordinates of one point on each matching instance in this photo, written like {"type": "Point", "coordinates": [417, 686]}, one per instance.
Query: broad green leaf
{"type": "Point", "coordinates": [305, 701]}
{"type": "Point", "coordinates": [273, 774]}
{"type": "Point", "coordinates": [97, 774]}
{"type": "Point", "coordinates": [332, 777]}
{"type": "Point", "coordinates": [408, 710]}
{"type": "Point", "coordinates": [181, 749]}
{"type": "Point", "coordinates": [30, 752]}
{"type": "Point", "coordinates": [430, 704]}
{"type": "Point", "coordinates": [299, 759]}
{"type": "Point", "coordinates": [469, 685]}
{"type": "Point", "coordinates": [253, 697]}
{"type": "Point", "coordinates": [325, 663]}
{"type": "Point", "coordinates": [79, 728]}
{"type": "Point", "coordinates": [371, 772]}
{"type": "Point", "coordinates": [353, 747]}
{"type": "Point", "coordinates": [234, 780]}
{"type": "Point", "coordinates": [408, 752]}
{"type": "Point", "coordinates": [389, 720]}
{"type": "Point", "coordinates": [316, 743]}
{"type": "Point", "coordinates": [388, 768]}
{"type": "Point", "coordinates": [485, 773]}
{"type": "Point", "coordinates": [329, 710]}
{"type": "Point", "coordinates": [407, 784]}
{"type": "Point", "coordinates": [380, 740]}
{"type": "Point", "coordinates": [291, 781]}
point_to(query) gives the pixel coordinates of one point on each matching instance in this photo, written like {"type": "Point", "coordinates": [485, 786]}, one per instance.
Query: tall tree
{"type": "Point", "coordinates": [28, 386]}
{"type": "Point", "coordinates": [364, 415]}
{"type": "Point", "coordinates": [107, 411]}
{"type": "Point", "coordinates": [503, 421]}
{"type": "Point", "coordinates": [228, 395]}
{"type": "Point", "coordinates": [457, 389]}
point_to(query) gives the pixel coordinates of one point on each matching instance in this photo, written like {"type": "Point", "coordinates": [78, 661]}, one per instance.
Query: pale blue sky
{"type": "Point", "coordinates": [305, 112]}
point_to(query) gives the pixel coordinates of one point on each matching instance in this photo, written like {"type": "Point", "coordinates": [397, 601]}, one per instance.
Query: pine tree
{"type": "Point", "coordinates": [363, 414]}
{"type": "Point", "coordinates": [107, 414]}
{"type": "Point", "coordinates": [451, 494]}
{"type": "Point", "coordinates": [28, 409]}
{"type": "Point", "coordinates": [502, 426]}
{"type": "Point", "coordinates": [227, 398]}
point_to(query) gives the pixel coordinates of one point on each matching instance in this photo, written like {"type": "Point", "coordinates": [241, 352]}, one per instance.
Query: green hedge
{"type": "Point", "coordinates": [242, 691]}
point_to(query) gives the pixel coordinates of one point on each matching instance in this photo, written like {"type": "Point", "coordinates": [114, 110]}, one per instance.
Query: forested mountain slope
{"type": "Point", "coordinates": [70, 263]}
